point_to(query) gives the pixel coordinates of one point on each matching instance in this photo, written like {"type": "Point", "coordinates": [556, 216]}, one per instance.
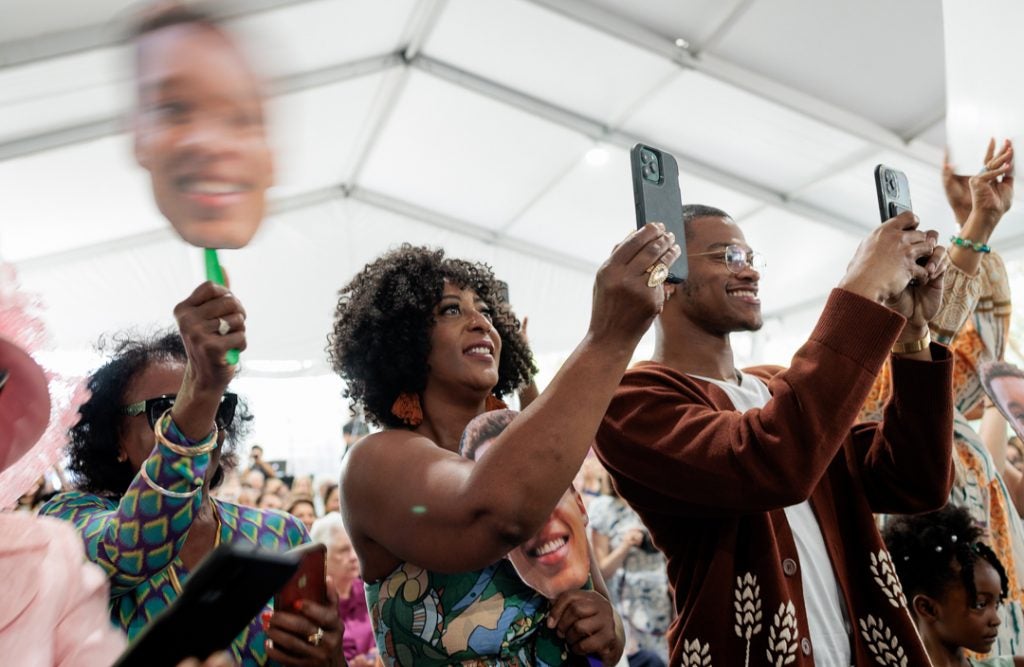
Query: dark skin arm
{"type": "Point", "coordinates": [449, 514]}
{"type": "Point", "coordinates": [979, 201]}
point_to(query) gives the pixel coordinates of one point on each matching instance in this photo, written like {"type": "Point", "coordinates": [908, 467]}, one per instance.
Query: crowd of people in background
{"type": "Point", "coordinates": [860, 506]}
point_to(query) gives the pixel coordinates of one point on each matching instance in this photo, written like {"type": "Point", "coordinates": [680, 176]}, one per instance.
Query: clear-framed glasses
{"type": "Point", "coordinates": [736, 258]}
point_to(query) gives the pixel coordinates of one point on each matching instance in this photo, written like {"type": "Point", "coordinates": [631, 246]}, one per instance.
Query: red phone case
{"type": "Point", "coordinates": [309, 582]}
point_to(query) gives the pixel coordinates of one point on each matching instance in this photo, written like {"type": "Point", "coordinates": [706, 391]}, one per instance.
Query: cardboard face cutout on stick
{"type": "Point", "coordinates": [557, 559]}
{"type": "Point", "coordinates": [199, 131]}
{"type": "Point", "coordinates": [1004, 383]}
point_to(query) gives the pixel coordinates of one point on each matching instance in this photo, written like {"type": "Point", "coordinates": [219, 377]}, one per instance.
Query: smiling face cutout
{"type": "Point", "coordinates": [199, 132]}
{"type": "Point", "coordinates": [557, 558]}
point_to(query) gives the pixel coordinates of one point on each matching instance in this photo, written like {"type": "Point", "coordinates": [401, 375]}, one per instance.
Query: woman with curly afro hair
{"type": "Point", "coordinates": [424, 346]}
{"type": "Point", "coordinates": [146, 452]}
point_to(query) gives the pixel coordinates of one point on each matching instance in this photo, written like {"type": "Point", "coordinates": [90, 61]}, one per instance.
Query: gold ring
{"type": "Point", "coordinates": [315, 638]}
{"type": "Point", "coordinates": [658, 273]}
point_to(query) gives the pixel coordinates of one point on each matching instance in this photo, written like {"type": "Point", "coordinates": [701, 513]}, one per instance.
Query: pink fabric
{"type": "Point", "coordinates": [359, 639]}
{"type": "Point", "coordinates": [54, 605]}
{"type": "Point", "coordinates": [21, 324]}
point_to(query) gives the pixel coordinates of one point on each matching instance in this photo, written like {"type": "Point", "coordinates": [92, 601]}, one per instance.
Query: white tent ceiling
{"type": "Point", "coordinates": [498, 129]}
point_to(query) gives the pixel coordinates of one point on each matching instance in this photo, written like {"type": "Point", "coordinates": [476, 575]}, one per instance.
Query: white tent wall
{"type": "Point", "coordinates": [497, 129]}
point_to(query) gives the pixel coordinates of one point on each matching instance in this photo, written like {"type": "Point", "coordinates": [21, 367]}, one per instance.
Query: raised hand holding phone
{"type": "Point", "coordinates": [657, 198]}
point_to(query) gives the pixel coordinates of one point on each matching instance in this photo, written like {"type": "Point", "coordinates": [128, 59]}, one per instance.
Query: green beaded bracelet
{"type": "Point", "coordinates": [966, 243]}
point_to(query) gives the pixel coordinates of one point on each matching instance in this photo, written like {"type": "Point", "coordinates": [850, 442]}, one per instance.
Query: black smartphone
{"type": "Point", "coordinates": [223, 595]}
{"type": "Point", "coordinates": [893, 190]}
{"type": "Point", "coordinates": [657, 198]}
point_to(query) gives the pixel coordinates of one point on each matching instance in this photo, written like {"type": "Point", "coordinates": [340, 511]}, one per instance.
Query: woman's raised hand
{"type": "Point", "coordinates": [627, 294]}
{"type": "Point", "coordinates": [211, 321]}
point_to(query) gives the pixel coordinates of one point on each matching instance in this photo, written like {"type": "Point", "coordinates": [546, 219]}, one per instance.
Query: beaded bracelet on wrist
{"type": "Point", "coordinates": [971, 245]}
{"type": "Point", "coordinates": [204, 446]}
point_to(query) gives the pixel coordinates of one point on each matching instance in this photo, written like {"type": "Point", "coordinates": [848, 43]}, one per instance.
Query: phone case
{"type": "Point", "coordinates": [223, 595]}
{"type": "Point", "coordinates": [309, 582]}
{"type": "Point", "coordinates": [893, 191]}
{"type": "Point", "coordinates": [657, 197]}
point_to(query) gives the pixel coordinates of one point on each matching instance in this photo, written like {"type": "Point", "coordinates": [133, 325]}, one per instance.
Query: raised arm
{"type": "Point", "coordinates": [672, 448]}
{"type": "Point", "coordinates": [142, 531]}
{"type": "Point", "coordinates": [443, 512]}
{"type": "Point", "coordinates": [136, 537]}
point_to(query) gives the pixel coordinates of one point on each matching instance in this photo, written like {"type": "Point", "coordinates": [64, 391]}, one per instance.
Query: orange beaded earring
{"type": "Point", "coordinates": [407, 408]}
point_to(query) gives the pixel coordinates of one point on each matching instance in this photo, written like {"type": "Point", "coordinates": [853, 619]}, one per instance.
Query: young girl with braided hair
{"type": "Point", "coordinates": [953, 583]}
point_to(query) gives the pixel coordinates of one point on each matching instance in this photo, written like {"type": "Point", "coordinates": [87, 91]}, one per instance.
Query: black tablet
{"type": "Point", "coordinates": [219, 599]}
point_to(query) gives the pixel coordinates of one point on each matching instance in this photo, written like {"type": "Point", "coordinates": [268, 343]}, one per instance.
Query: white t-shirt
{"type": "Point", "coordinates": [826, 613]}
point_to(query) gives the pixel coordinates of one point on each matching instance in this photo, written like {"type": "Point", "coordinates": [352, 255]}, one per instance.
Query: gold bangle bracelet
{"type": "Point", "coordinates": [204, 446]}
{"type": "Point", "coordinates": [913, 346]}
{"type": "Point", "coordinates": [166, 492]}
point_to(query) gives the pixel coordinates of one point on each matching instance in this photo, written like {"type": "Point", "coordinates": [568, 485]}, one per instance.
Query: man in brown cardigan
{"type": "Point", "coordinates": [758, 486]}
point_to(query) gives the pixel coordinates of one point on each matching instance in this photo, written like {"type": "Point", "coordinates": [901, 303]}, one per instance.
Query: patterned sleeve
{"type": "Point", "coordinates": [960, 299]}
{"type": "Point", "coordinates": [296, 533]}
{"type": "Point", "coordinates": [960, 296]}
{"type": "Point", "coordinates": [143, 533]}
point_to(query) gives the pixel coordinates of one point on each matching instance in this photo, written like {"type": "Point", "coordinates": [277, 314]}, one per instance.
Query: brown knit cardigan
{"type": "Point", "coordinates": [710, 483]}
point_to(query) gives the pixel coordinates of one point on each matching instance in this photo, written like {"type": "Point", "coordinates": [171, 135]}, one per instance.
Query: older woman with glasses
{"type": "Point", "coordinates": [151, 442]}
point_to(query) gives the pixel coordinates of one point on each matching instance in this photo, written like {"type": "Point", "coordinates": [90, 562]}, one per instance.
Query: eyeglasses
{"type": "Point", "coordinates": [4, 376]}
{"type": "Point", "coordinates": [736, 258]}
{"type": "Point", "coordinates": [154, 408]}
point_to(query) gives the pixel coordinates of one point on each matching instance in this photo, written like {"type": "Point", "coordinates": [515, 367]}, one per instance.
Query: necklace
{"type": "Point", "coordinates": [172, 572]}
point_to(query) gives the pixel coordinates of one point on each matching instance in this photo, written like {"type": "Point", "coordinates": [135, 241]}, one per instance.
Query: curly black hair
{"type": "Point", "coordinates": [94, 440]}
{"type": "Point", "coordinates": [380, 340]}
{"type": "Point", "coordinates": [924, 548]}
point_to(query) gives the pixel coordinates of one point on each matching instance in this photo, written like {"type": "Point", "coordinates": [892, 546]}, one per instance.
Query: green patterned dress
{"type": "Point", "coordinates": [136, 540]}
{"type": "Point", "coordinates": [487, 617]}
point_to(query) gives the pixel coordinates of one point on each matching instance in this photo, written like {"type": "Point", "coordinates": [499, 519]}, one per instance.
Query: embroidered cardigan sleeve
{"type": "Point", "coordinates": [142, 533]}
{"type": "Point", "coordinates": [671, 446]}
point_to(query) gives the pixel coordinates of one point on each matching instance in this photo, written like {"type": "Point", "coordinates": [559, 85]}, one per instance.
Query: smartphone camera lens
{"type": "Point", "coordinates": [651, 170]}
{"type": "Point", "coordinates": [892, 185]}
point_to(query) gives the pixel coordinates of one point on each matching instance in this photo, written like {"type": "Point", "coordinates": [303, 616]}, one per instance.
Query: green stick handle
{"type": "Point", "coordinates": [216, 275]}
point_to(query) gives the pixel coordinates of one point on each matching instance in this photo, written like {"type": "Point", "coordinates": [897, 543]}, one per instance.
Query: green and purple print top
{"type": "Point", "coordinates": [137, 539]}
{"type": "Point", "coordinates": [486, 617]}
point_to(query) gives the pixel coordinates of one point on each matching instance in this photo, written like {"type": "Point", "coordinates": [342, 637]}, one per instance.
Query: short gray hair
{"type": "Point", "coordinates": [327, 527]}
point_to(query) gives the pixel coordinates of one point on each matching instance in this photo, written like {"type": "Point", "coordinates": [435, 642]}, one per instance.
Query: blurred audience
{"type": "Point", "coordinates": [256, 462]}
{"type": "Point", "coordinates": [302, 485]}
{"type": "Point", "coordinates": [343, 575]}
{"type": "Point", "coordinates": [635, 572]}
{"type": "Point", "coordinates": [332, 498]}
{"type": "Point", "coordinates": [254, 480]}
{"type": "Point", "coordinates": [301, 507]}
{"type": "Point", "coordinates": [269, 501]}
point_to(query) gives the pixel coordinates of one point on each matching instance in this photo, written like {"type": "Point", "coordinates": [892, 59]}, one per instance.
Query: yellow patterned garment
{"type": "Point", "coordinates": [974, 322]}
